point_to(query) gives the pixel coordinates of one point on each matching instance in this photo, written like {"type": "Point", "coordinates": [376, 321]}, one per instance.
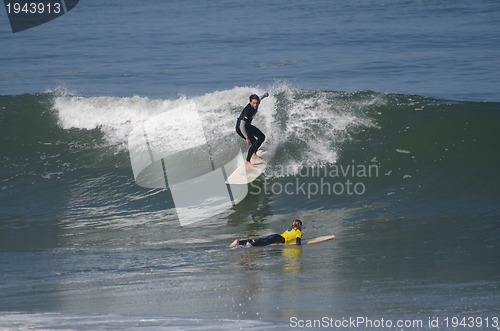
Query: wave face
{"type": "Point", "coordinates": [409, 186]}
{"type": "Point", "coordinates": [384, 156]}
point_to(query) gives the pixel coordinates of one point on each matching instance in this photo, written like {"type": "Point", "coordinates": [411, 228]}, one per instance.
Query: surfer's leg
{"type": "Point", "coordinates": [252, 148]}
{"type": "Point", "coordinates": [260, 138]}
{"type": "Point", "coordinates": [237, 242]}
{"type": "Point", "coordinates": [253, 133]}
{"type": "Point", "coordinates": [241, 129]}
{"type": "Point", "coordinates": [269, 240]}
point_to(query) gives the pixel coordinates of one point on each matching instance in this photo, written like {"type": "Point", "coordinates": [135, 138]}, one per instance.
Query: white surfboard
{"type": "Point", "coordinates": [245, 175]}
{"type": "Point", "coordinates": [314, 240]}
{"type": "Point", "coordinates": [318, 239]}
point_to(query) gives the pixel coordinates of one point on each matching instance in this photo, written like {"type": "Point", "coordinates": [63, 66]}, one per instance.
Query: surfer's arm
{"type": "Point", "coordinates": [265, 95]}
{"type": "Point", "coordinates": [243, 129]}
{"type": "Point", "coordinates": [242, 126]}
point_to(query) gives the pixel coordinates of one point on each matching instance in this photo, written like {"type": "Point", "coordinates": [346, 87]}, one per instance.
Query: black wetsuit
{"type": "Point", "coordinates": [290, 236]}
{"type": "Point", "coordinates": [264, 241]}
{"type": "Point", "coordinates": [246, 130]}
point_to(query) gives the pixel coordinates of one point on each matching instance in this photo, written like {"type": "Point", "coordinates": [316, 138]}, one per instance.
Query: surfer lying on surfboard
{"type": "Point", "coordinates": [291, 236]}
{"type": "Point", "coordinates": [253, 136]}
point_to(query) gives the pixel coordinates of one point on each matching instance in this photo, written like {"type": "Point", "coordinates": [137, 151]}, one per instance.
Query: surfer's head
{"type": "Point", "coordinates": [297, 224]}
{"type": "Point", "coordinates": [254, 101]}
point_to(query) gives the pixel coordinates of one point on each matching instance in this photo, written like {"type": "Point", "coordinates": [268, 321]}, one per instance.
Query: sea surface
{"type": "Point", "coordinates": [382, 128]}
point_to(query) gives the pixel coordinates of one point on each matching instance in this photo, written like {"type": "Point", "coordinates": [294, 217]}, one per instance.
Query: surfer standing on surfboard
{"type": "Point", "coordinates": [290, 236]}
{"type": "Point", "coordinates": [253, 136]}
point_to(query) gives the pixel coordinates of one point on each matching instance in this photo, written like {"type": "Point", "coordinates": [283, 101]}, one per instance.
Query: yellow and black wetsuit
{"type": "Point", "coordinates": [292, 236]}
{"type": "Point", "coordinates": [288, 237]}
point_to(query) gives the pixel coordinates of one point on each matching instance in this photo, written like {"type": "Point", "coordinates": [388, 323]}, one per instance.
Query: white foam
{"type": "Point", "coordinates": [312, 124]}
{"type": "Point", "coordinates": [116, 117]}
{"type": "Point", "coordinates": [319, 123]}
{"type": "Point", "coordinates": [62, 321]}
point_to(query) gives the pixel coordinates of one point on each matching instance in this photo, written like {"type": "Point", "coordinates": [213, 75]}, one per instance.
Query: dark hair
{"type": "Point", "coordinates": [297, 224]}
{"type": "Point", "coordinates": [254, 96]}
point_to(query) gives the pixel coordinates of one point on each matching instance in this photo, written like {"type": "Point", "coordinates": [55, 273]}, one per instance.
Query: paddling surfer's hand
{"type": "Point", "coordinates": [249, 143]}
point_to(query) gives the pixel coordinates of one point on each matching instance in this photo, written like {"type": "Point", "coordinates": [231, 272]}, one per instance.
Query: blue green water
{"type": "Point", "coordinates": [406, 89]}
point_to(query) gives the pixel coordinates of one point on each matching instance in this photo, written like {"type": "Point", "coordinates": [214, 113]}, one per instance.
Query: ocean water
{"type": "Point", "coordinates": [381, 128]}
